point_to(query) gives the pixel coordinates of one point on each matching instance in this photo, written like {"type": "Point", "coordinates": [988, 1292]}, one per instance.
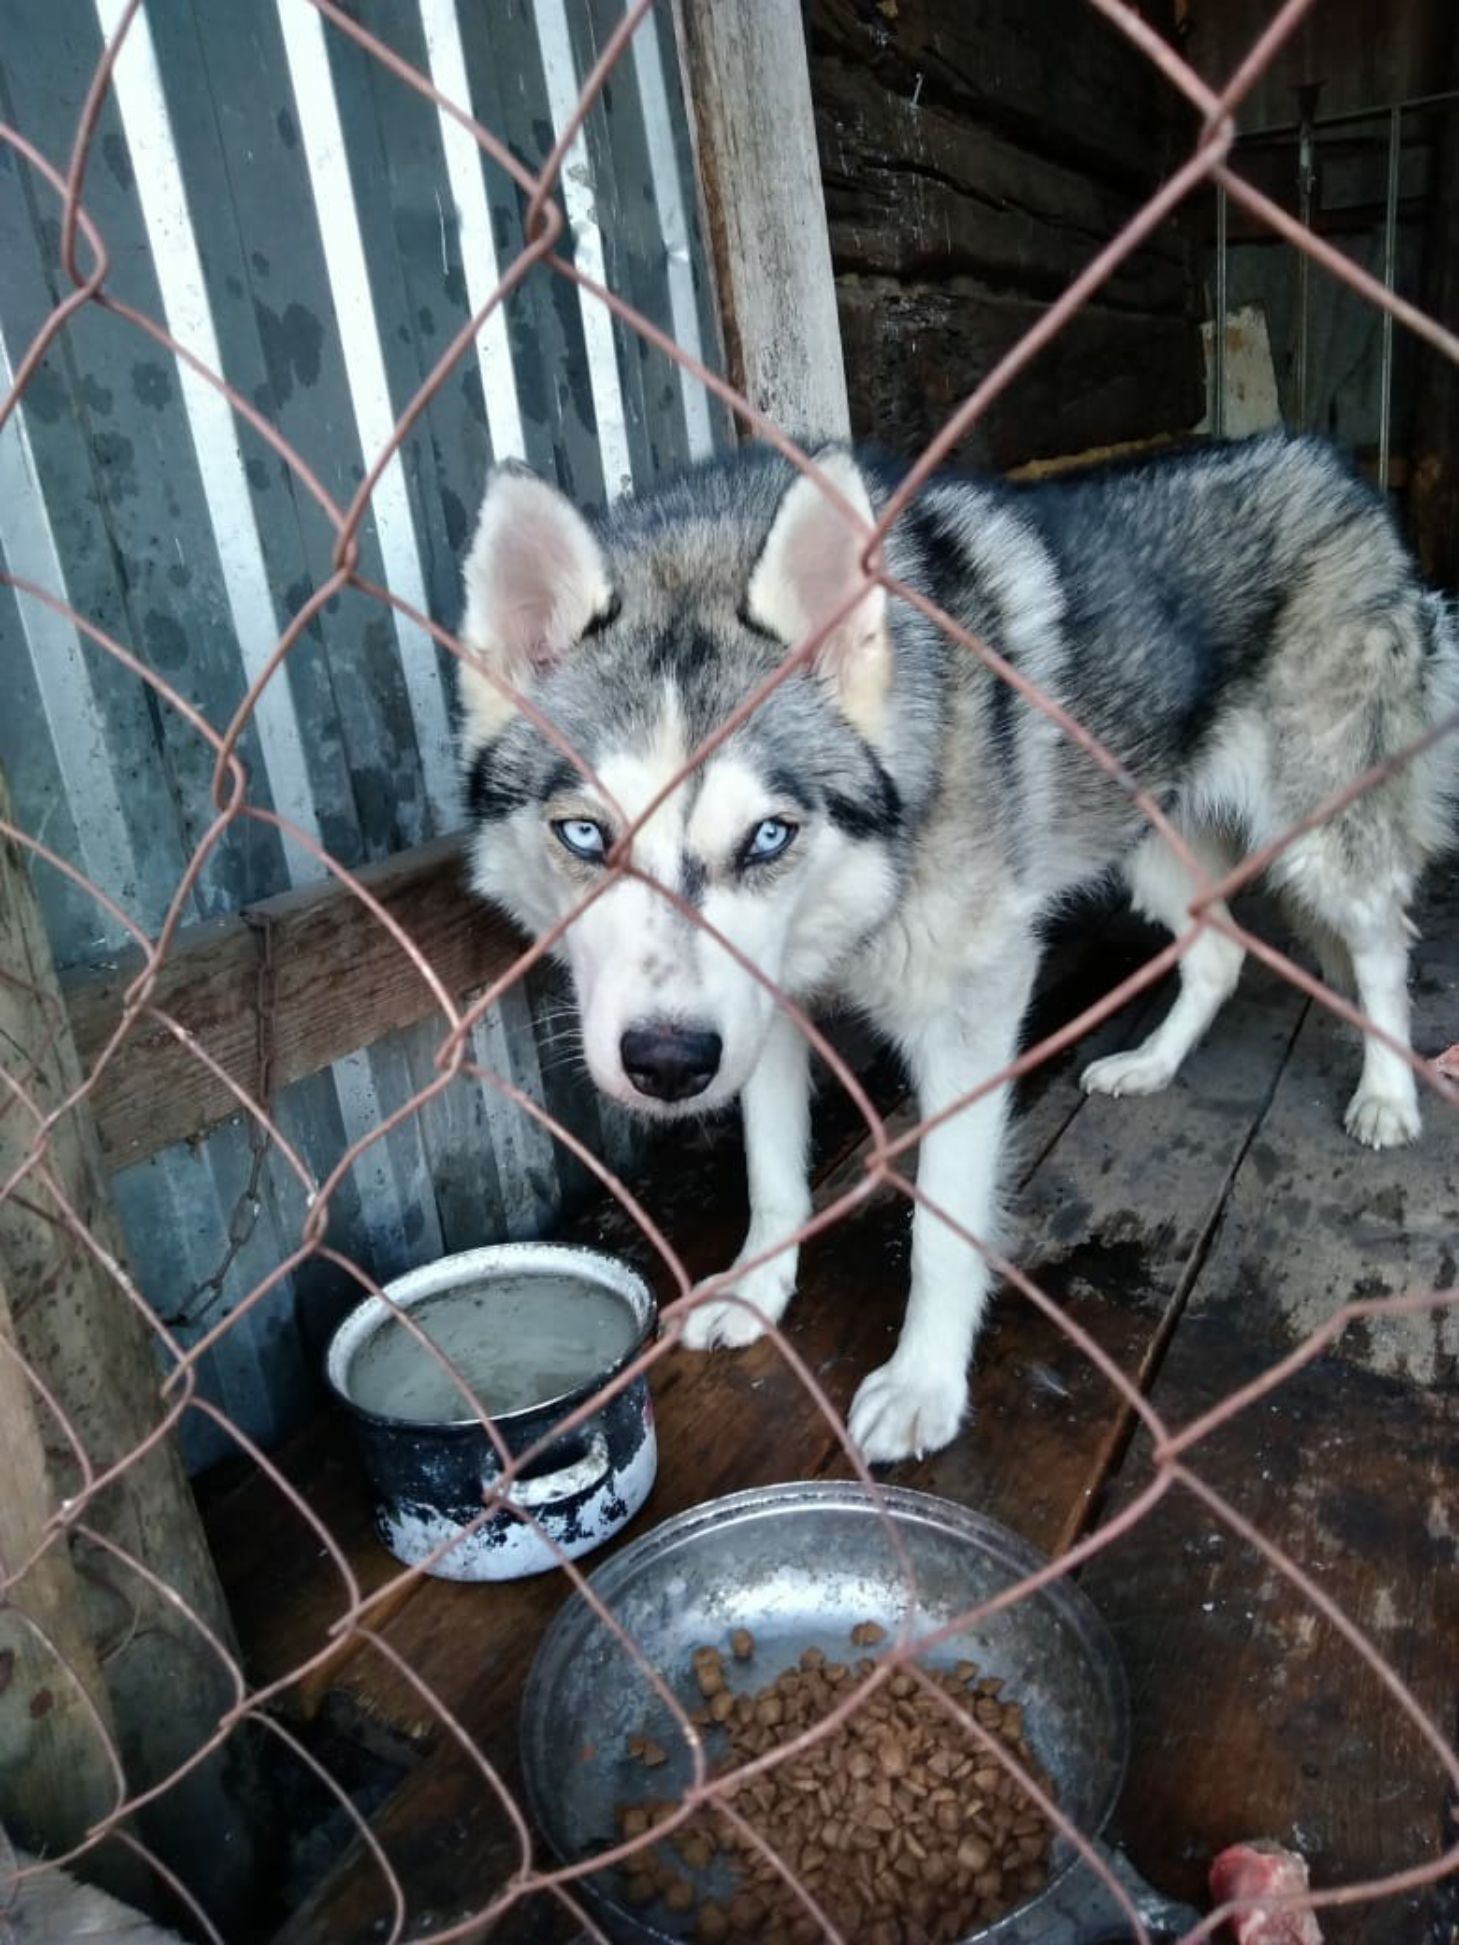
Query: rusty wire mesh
{"type": "Point", "coordinates": [1175, 1448]}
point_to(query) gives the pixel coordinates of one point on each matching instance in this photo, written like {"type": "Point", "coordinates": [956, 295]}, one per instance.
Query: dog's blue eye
{"type": "Point", "coordinates": [769, 839]}
{"type": "Point", "coordinates": [582, 837]}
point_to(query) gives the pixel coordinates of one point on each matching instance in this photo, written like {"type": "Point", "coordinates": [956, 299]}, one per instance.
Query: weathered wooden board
{"type": "Point", "coordinates": [925, 194]}
{"type": "Point", "coordinates": [1350, 1466]}
{"type": "Point", "coordinates": [1059, 78]}
{"type": "Point", "coordinates": [914, 351]}
{"type": "Point", "coordinates": [335, 980]}
{"type": "Point", "coordinates": [55, 1778]}
{"type": "Point", "coordinates": [284, 1589]}
{"type": "Point", "coordinates": [1252, 1717]}
{"type": "Point", "coordinates": [1113, 1225]}
{"type": "Point", "coordinates": [748, 93]}
{"type": "Point", "coordinates": [1360, 51]}
{"type": "Point", "coordinates": [82, 1333]}
{"type": "Point", "coordinates": [976, 159]}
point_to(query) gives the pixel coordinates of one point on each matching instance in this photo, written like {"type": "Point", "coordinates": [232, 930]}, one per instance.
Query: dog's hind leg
{"type": "Point", "coordinates": [1372, 664]}
{"type": "Point", "coordinates": [1367, 914]}
{"type": "Point", "coordinates": [1383, 1112]}
{"type": "Point", "coordinates": [1162, 888]}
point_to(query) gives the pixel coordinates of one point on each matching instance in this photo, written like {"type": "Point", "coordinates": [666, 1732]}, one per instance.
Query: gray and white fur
{"type": "Point", "coordinates": [1240, 624]}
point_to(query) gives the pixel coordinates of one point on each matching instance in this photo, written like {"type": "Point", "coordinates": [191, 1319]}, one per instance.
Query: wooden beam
{"type": "Point", "coordinates": [327, 975]}
{"type": "Point", "coordinates": [1074, 462]}
{"type": "Point", "coordinates": [1059, 83]}
{"type": "Point", "coordinates": [80, 1331]}
{"type": "Point", "coordinates": [916, 349]}
{"type": "Point", "coordinates": [747, 87]}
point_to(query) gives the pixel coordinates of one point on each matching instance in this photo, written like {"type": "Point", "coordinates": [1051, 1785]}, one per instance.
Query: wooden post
{"type": "Point", "coordinates": [55, 1713]}
{"type": "Point", "coordinates": [93, 1348]}
{"type": "Point", "coordinates": [748, 91]}
{"type": "Point", "coordinates": [337, 982]}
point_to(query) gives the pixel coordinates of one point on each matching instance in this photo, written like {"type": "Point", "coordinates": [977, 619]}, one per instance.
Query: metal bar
{"type": "Point", "coordinates": [1446, 98]}
{"type": "Point", "coordinates": [1390, 271]}
{"type": "Point", "coordinates": [1218, 334]}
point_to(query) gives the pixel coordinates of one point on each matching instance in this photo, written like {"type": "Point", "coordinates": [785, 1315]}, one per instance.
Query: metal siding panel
{"type": "Point", "coordinates": [503, 1044]}
{"type": "Point", "coordinates": [635, 265]}
{"type": "Point", "coordinates": [58, 685]}
{"type": "Point", "coordinates": [508, 95]}
{"type": "Point", "coordinates": [477, 266]}
{"type": "Point", "coordinates": [140, 496]}
{"type": "Point", "coordinates": [456, 1132]}
{"type": "Point", "coordinates": [723, 429]}
{"type": "Point", "coordinates": [676, 200]}
{"type": "Point", "coordinates": [269, 1335]}
{"type": "Point", "coordinates": [404, 195]}
{"type": "Point", "coordinates": [382, 1210]}
{"type": "Point", "coordinates": [584, 245]}
{"type": "Point", "coordinates": [188, 316]}
{"type": "Point", "coordinates": [309, 1117]}
{"type": "Point", "coordinates": [405, 1150]}
{"type": "Point", "coordinates": [307, 52]}
{"type": "Point", "coordinates": [401, 185]}
{"type": "Point", "coordinates": [76, 924]}
{"type": "Point", "coordinates": [176, 528]}
{"type": "Point", "coordinates": [291, 533]}
{"type": "Point", "coordinates": [280, 322]}
{"type": "Point", "coordinates": [174, 1229]}
{"type": "Point", "coordinates": [62, 538]}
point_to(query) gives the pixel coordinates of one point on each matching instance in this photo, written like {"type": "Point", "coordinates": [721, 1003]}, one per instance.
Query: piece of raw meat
{"type": "Point", "coordinates": [1264, 1870]}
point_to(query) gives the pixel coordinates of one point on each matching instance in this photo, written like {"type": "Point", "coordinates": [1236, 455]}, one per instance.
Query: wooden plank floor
{"type": "Point", "coordinates": [1196, 1235]}
{"type": "Point", "coordinates": [1251, 1712]}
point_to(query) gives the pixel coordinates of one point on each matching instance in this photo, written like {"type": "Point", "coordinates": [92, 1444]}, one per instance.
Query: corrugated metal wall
{"type": "Point", "coordinates": [317, 231]}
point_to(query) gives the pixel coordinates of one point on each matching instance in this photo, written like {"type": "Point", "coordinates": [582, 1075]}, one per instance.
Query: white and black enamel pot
{"type": "Point", "coordinates": [429, 1480]}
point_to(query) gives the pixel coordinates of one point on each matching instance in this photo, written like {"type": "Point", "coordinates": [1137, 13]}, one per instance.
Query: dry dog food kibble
{"type": "Point", "coordinates": [709, 1671]}
{"type": "Point", "coordinates": [901, 1822]}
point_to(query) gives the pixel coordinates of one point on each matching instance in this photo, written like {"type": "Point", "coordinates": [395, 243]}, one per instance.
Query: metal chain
{"type": "Point", "coordinates": [205, 1296]}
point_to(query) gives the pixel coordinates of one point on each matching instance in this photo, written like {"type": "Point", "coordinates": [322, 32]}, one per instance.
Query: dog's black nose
{"type": "Point", "coordinates": [670, 1063]}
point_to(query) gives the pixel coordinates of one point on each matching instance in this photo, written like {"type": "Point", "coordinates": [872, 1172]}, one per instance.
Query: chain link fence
{"type": "Point", "coordinates": [37, 1183]}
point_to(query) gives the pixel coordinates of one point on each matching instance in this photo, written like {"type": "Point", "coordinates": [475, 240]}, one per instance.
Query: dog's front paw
{"type": "Point", "coordinates": [1380, 1120]}
{"type": "Point", "coordinates": [1135, 1072]}
{"type": "Point", "coordinates": [718, 1324]}
{"type": "Point", "coordinates": [902, 1412]}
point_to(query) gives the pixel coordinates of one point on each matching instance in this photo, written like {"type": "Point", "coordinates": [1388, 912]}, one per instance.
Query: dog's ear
{"type": "Point", "coordinates": [809, 567]}
{"type": "Point", "coordinates": [535, 581]}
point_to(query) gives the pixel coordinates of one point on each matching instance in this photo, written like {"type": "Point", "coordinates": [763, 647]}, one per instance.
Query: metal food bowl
{"type": "Point", "coordinates": [429, 1478]}
{"type": "Point", "coordinates": [800, 1566]}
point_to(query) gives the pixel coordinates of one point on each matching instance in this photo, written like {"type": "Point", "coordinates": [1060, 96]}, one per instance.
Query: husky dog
{"type": "Point", "coordinates": [1239, 623]}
